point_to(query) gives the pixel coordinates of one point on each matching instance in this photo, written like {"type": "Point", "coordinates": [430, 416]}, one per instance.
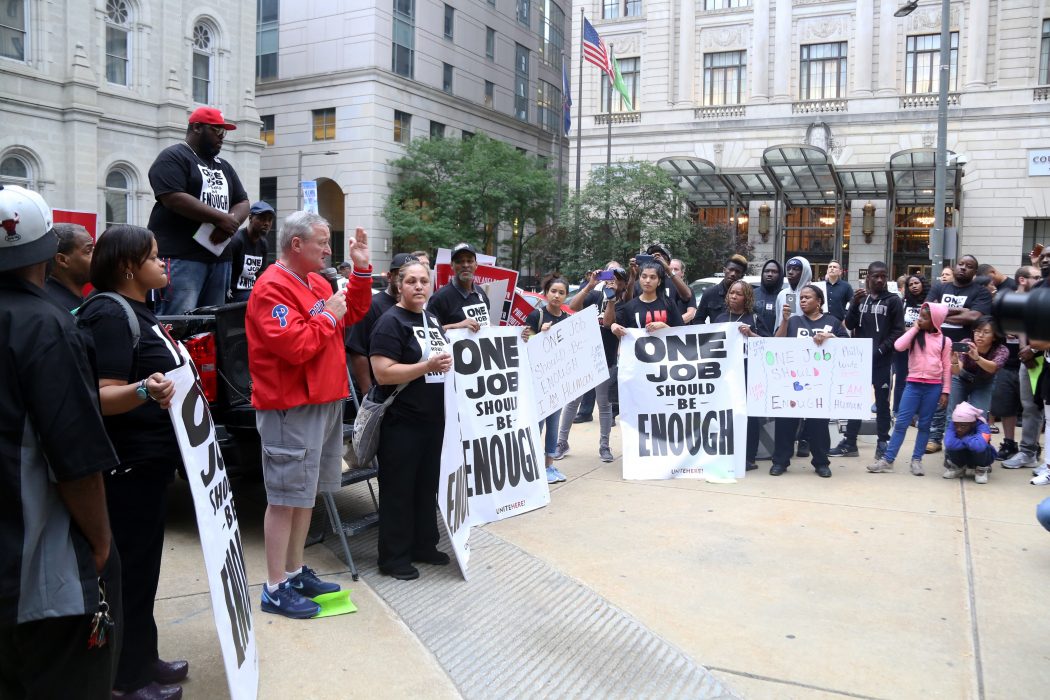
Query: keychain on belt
{"type": "Point", "coordinates": [102, 623]}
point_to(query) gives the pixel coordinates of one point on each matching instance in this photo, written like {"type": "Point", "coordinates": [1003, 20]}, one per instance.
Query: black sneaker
{"type": "Point", "coordinates": [583, 419]}
{"type": "Point", "coordinates": [751, 465]}
{"type": "Point", "coordinates": [1007, 449]}
{"type": "Point", "coordinates": [823, 471]}
{"type": "Point", "coordinates": [880, 448]}
{"type": "Point", "coordinates": [803, 449]}
{"type": "Point", "coordinates": [845, 448]}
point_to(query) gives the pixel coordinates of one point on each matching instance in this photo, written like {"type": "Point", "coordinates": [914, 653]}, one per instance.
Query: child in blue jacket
{"type": "Point", "coordinates": [967, 443]}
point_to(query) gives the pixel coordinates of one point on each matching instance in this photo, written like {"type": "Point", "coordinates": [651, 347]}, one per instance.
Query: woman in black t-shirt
{"type": "Point", "coordinates": [649, 310]}
{"type": "Point", "coordinates": [540, 320]}
{"type": "Point", "coordinates": [409, 347]}
{"type": "Point", "coordinates": [135, 395]}
{"type": "Point", "coordinates": [740, 308]}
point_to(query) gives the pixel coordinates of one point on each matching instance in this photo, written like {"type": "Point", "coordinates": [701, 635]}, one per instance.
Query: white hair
{"type": "Point", "coordinates": [299, 224]}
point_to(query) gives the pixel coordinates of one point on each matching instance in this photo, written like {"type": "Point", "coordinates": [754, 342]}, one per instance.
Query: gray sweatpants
{"type": "Point", "coordinates": [1031, 415]}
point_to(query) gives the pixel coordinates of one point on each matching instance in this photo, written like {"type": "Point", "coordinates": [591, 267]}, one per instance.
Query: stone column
{"type": "Point", "coordinates": [862, 47]}
{"type": "Point", "coordinates": [784, 53]}
{"type": "Point", "coordinates": [759, 60]}
{"type": "Point", "coordinates": [687, 56]}
{"type": "Point", "coordinates": [976, 45]}
{"type": "Point", "coordinates": [888, 56]}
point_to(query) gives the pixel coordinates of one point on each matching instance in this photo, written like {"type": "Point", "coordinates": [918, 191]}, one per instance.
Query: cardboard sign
{"type": "Point", "coordinates": [567, 361]}
{"type": "Point", "coordinates": [796, 378]}
{"type": "Point", "coordinates": [682, 406]}
{"type": "Point", "coordinates": [219, 531]}
{"type": "Point", "coordinates": [492, 464]}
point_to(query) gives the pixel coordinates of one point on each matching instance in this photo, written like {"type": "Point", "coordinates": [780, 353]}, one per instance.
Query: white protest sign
{"type": "Point", "coordinates": [492, 464]}
{"type": "Point", "coordinates": [567, 361]}
{"type": "Point", "coordinates": [219, 532]}
{"type": "Point", "coordinates": [682, 405]}
{"type": "Point", "coordinates": [431, 342]}
{"type": "Point", "coordinates": [497, 295]}
{"type": "Point", "coordinates": [796, 378]}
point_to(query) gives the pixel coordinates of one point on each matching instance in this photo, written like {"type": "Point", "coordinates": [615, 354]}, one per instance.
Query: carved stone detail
{"type": "Point", "coordinates": [730, 37]}
{"type": "Point", "coordinates": [822, 28]}
{"type": "Point", "coordinates": [929, 18]}
{"type": "Point", "coordinates": [626, 45]}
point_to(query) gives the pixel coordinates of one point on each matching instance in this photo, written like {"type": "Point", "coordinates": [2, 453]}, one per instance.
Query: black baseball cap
{"type": "Point", "coordinates": [464, 248]}
{"type": "Point", "coordinates": [402, 259]}
{"type": "Point", "coordinates": [659, 248]}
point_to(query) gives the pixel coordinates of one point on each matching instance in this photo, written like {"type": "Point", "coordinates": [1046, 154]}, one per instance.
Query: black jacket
{"type": "Point", "coordinates": [882, 320]}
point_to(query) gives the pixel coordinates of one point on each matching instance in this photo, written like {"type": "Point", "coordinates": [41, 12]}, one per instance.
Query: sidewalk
{"type": "Point", "coordinates": [862, 585]}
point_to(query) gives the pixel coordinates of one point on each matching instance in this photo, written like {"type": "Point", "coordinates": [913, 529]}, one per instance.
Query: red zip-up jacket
{"type": "Point", "coordinates": [295, 346]}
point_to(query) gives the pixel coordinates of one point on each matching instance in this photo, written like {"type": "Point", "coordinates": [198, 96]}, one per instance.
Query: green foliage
{"type": "Point", "coordinates": [623, 211]}
{"type": "Point", "coordinates": [450, 190]}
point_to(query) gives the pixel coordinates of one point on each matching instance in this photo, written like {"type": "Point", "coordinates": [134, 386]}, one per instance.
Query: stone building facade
{"type": "Point", "coordinates": [719, 83]}
{"type": "Point", "coordinates": [92, 90]}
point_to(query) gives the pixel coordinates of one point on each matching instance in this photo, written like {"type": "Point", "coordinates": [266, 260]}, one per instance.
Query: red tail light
{"type": "Point", "coordinates": [202, 351]}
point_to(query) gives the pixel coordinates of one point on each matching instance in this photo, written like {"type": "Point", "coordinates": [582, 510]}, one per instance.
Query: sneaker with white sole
{"type": "Point", "coordinates": [980, 475]}
{"type": "Point", "coordinates": [288, 602]}
{"type": "Point", "coordinates": [1020, 460]}
{"type": "Point", "coordinates": [561, 477]}
{"type": "Point", "coordinates": [561, 449]}
{"type": "Point", "coordinates": [951, 471]}
{"type": "Point", "coordinates": [309, 586]}
{"type": "Point", "coordinates": [552, 475]}
{"type": "Point", "coordinates": [916, 468]}
{"type": "Point", "coordinates": [1041, 480]}
{"type": "Point", "coordinates": [605, 454]}
{"type": "Point", "coordinates": [880, 466]}
{"type": "Point", "coordinates": [1041, 469]}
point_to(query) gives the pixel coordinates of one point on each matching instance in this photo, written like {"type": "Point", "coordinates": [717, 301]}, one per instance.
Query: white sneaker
{"type": "Point", "coordinates": [1041, 480]}
{"type": "Point", "coordinates": [1041, 469]}
{"type": "Point", "coordinates": [1020, 460]}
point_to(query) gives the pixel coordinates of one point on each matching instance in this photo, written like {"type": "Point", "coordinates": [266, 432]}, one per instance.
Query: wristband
{"type": "Point", "coordinates": [143, 393]}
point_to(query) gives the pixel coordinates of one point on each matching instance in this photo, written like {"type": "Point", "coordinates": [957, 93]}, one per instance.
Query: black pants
{"type": "Point", "coordinates": [136, 501]}
{"type": "Point", "coordinates": [49, 658]}
{"type": "Point", "coordinates": [880, 380]}
{"type": "Point", "coordinates": [754, 432]}
{"type": "Point", "coordinates": [969, 458]}
{"type": "Point", "coordinates": [409, 465]}
{"type": "Point", "coordinates": [815, 430]}
{"type": "Point", "coordinates": [587, 404]}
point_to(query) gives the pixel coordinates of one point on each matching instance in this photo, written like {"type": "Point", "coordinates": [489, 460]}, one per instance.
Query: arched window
{"type": "Point", "coordinates": [16, 171]}
{"type": "Point", "coordinates": [118, 197]}
{"type": "Point", "coordinates": [203, 51]}
{"type": "Point", "coordinates": [118, 42]}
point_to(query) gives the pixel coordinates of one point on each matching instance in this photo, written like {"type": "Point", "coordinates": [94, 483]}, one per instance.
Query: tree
{"type": "Point", "coordinates": [452, 190]}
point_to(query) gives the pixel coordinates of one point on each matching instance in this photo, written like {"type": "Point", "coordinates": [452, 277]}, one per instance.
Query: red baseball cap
{"type": "Point", "coordinates": [210, 115]}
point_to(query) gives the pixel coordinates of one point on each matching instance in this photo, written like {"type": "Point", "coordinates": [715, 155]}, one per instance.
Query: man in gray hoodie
{"type": "Point", "coordinates": [875, 313]}
{"type": "Point", "coordinates": [799, 274]}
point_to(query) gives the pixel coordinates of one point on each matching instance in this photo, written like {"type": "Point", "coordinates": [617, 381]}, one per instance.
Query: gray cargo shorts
{"type": "Point", "coordinates": [302, 452]}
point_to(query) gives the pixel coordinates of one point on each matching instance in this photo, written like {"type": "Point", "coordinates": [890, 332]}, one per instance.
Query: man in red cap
{"type": "Point", "coordinates": [200, 205]}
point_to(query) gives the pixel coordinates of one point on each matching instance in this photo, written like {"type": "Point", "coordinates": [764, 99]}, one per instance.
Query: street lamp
{"type": "Point", "coordinates": [299, 178]}
{"type": "Point", "coordinates": [941, 160]}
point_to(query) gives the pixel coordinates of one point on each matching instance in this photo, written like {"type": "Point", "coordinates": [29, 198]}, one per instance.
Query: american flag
{"type": "Point", "coordinates": [594, 49]}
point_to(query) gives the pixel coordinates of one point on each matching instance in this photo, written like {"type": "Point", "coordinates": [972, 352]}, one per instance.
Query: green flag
{"type": "Point", "coordinates": [618, 83]}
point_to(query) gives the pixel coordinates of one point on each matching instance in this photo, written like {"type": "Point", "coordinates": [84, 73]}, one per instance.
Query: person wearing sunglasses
{"type": "Point", "coordinates": [200, 205]}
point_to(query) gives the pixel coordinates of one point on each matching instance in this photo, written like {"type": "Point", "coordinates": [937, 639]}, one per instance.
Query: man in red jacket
{"type": "Point", "coordinates": [294, 326]}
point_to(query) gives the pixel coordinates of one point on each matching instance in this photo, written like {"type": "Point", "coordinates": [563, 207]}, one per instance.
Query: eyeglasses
{"type": "Point", "coordinates": [219, 131]}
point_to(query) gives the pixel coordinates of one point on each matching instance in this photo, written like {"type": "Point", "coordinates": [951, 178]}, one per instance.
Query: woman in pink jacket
{"type": "Point", "coordinates": [928, 385]}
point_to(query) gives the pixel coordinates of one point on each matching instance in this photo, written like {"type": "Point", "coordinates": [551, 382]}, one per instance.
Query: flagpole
{"type": "Point", "coordinates": [579, 126]}
{"type": "Point", "coordinates": [608, 110]}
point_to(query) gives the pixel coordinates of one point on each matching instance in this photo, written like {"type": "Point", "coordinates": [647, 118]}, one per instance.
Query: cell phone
{"type": "Point", "coordinates": [789, 299]}
{"type": "Point", "coordinates": [643, 259]}
{"type": "Point", "coordinates": [606, 276]}
{"type": "Point", "coordinates": [960, 347]}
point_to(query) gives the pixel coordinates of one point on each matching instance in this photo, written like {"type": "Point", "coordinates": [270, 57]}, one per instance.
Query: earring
{"type": "Point", "coordinates": [128, 276]}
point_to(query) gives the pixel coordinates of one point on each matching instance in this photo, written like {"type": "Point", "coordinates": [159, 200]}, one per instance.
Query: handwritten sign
{"type": "Point", "coordinates": [567, 361]}
{"type": "Point", "coordinates": [682, 403]}
{"type": "Point", "coordinates": [796, 378]}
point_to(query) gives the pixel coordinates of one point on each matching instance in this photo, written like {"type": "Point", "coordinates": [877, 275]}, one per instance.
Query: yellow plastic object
{"type": "Point", "coordinates": [337, 603]}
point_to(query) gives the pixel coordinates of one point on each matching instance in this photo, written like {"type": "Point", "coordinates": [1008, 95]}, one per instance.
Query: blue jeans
{"type": "Point", "coordinates": [979, 396]}
{"type": "Point", "coordinates": [918, 399]}
{"type": "Point", "coordinates": [900, 378]}
{"type": "Point", "coordinates": [193, 284]}
{"type": "Point", "coordinates": [549, 428]}
{"type": "Point", "coordinates": [1042, 513]}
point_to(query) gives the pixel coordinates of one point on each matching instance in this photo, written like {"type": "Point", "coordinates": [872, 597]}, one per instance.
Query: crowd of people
{"type": "Point", "coordinates": [85, 517]}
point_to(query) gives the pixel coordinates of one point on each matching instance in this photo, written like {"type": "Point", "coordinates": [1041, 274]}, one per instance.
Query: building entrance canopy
{"type": "Point", "coordinates": [802, 175]}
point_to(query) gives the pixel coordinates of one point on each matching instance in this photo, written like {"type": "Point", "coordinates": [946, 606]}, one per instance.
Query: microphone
{"type": "Point", "coordinates": [337, 281]}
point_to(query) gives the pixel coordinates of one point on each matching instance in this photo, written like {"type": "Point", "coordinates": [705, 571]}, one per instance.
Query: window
{"type": "Point", "coordinates": [629, 69]}
{"type": "Point", "coordinates": [621, 8]}
{"type": "Point", "coordinates": [490, 43]}
{"type": "Point", "coordinates": [1044, 55]}
{"type": "Point", "coordinates": [521, 82]}
{"type": "Point", "coordinates": [450, 21]}
{"type": "Point", "coordinates": [725, 4]}
{"type": "Point", "coordinates": [203, 48]}
{"type": "Point", "coordinates": [324, 124]}
{"type": "Point", "coordinates": [446, 77]}
{"type": "Point", "coordinates": [552, 39]}
{"type": "Point", "coordinates": [266, 131]}
{"type": "Point", "coordinates": [13, 30]}
{"type": "Point", "coordinates": [402, 127]}
{"type": "Point", "coordinates": [15, 171]}
{"type": "Point", "coordinates": [822, 71]}
{"type": "Point", "coordinates": [548, 106]}
{"type": "Point", "coordinates": [810, 232]}
{"type": "Point", "coordinates": [523, 11]}
{"type": "Point", "coordinates": [725, 78]}
{"type": "Point", "coordinates": [922, 70]}
{"type": "Point", "coordinates": [266, 39]}
{"type": "Point", "coordinates": [117, 39]}
{"type": "Point", "coordinates": [490, 94]}
{"type": "Point", "coordinates": [437, 130]}
{"type": "Point", "coordinates": [118, 197]}
{"type": "Point", "coordinates": [404, 45]}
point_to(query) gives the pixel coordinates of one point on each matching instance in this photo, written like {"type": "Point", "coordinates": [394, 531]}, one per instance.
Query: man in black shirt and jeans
{"type": "Point", "coordinates": [200, 205]}
{"type": "Point", "coordinates": [56, 548]}
{"type": "Point", "coordinates": [248, 251]}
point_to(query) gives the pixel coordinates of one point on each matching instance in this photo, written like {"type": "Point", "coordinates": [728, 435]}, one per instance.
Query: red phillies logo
{"type": "Point", "coordinates": [9, 225]}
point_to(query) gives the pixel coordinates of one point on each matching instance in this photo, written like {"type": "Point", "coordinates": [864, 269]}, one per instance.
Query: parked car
{"type": "Point", "coordinates": [539, 301]}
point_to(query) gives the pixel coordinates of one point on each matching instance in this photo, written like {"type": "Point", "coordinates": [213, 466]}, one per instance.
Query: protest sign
{"type": "Point", "coordinates": [567, 361]}
{"type": "Point", "coordinates": [795, 378]}
{"type": "Point", "coordinates": [492, 464]}
{"type": "Point", "coordinates": [219, 532]}
{"type": "Point", "coordinates": [519, 310]}
{"type": "Point", "coordinates": [497, 296]}
{"type": "Point", "coordinates": [309, 192]}
{"type": "Point", "coordinates": [682, 405]}
{"type": "Point", "coordinates": [486, 273]}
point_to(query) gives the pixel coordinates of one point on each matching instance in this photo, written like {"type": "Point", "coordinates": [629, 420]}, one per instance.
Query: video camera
{"type": "Point", "coordinates": [1023, 313]}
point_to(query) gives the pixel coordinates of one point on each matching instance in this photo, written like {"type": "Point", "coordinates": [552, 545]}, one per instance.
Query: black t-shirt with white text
{"type": "Point", "coordinates": [144, 436]}
{"type": "Point", "coordinates": [972, 296]}
{"type": "Point", "coordinates": [179, 169]}
{"type": "Point", "coordinates": [805, 327]}
{"type": "Point", "coordinates": [247, 261]}
{"type": "Point", "coordinates": [401, 336]}
{"type": "Point", "coordinates": [451, 306]}
{"type": "Point", "coordinates": [638, 314]}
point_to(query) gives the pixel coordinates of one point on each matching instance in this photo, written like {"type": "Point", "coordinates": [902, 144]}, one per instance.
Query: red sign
{"type": "Point", "coordinates": [87, 219]}
{"type": "Point", "coordinates": [519, 311]}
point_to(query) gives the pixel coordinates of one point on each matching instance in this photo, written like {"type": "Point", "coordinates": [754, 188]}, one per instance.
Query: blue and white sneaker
{"type": "Point", "coordinates": [309, 586]}
{"type": "Point", "coordinates": [557, 472]}
{"type": "Point", "coordinates": [552, 475]}
{"type": "Point", "coordinates": [288, 602]}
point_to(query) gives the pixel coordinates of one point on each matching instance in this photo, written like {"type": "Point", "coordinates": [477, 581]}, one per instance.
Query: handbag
{"type": "Point", "coordinates": [365, 442]}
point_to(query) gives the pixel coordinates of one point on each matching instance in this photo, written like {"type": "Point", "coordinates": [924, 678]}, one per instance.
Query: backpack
{"type": "Point", "coordinates": [133, 321]}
